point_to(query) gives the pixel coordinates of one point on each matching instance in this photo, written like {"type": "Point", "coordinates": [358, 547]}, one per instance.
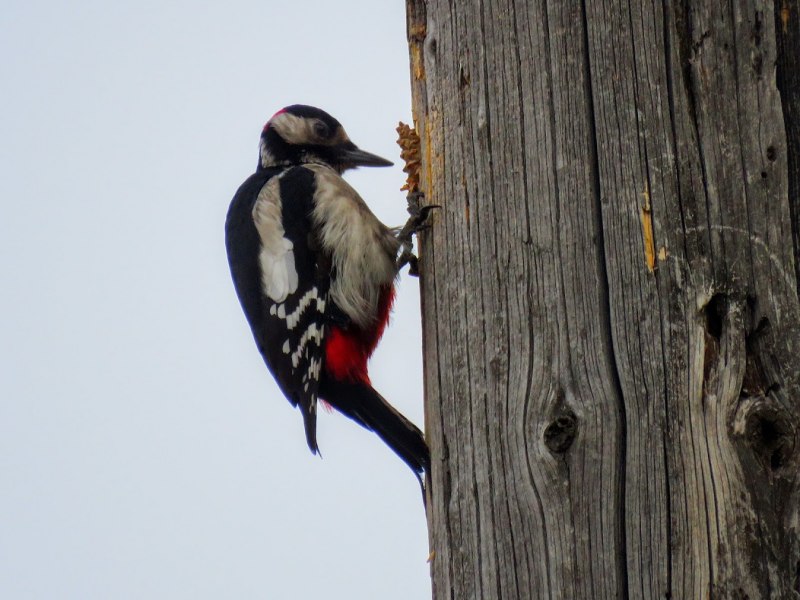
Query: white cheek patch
{"type": "Point", "coordinates": [266, 156]}
{"type": "Point", "coordinates": [276, 258]}
{"type": "Point", "coordinates": [293, 129]}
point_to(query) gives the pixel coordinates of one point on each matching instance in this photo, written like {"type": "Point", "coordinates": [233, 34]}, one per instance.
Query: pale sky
{"type": "Point", "coordinates": [145, 451]}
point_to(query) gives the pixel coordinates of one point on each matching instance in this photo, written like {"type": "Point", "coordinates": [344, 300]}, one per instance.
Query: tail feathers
{"type": "Point", "coordinates": [365, 406]}
{"type": "Point", "coordinates": [309, 412]}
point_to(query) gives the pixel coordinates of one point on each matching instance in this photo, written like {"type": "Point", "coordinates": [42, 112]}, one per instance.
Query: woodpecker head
{"type": "Point", "coordinates": [301, 134]}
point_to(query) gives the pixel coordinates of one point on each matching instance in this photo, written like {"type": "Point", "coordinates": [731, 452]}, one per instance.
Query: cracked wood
{"type": "Point", "coordinates": [610, 311]}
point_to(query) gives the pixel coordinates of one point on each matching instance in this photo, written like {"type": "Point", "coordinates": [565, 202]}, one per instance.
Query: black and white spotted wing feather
{"type": "Point", "coordinates": [282, 281]}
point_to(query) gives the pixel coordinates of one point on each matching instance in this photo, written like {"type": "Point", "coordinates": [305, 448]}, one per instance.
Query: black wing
{"type": "Point", "coordinates": [282, 281]}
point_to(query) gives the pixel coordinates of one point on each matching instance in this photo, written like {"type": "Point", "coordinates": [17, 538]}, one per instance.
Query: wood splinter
{"type": "Point", "coordinates": [408, 140]}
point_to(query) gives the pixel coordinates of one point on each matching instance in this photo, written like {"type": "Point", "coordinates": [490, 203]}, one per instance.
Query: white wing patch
{"type": "Point", "coordinates": [278, 272]}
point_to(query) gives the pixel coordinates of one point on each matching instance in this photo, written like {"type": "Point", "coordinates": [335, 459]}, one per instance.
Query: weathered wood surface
{"type": "Point", "coordinates": [610, 311]}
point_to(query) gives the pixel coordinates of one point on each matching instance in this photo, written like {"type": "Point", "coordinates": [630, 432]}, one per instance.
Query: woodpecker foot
{"type": "Point", "coordinates": [417, 221]}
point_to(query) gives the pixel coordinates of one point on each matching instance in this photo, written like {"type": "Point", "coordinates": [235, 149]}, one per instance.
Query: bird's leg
{"type": "Point", "coordinates": [417, 221]}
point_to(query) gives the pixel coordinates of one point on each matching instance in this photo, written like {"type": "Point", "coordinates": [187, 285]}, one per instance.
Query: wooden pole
{"type": "Point", "coordinates": [610, 311]}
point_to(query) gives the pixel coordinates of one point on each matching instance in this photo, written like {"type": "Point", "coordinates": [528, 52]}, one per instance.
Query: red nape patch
{"type": "Point", "coordinates": [345, 356]}
{"type": "Point", "coordinates": [283, 110]}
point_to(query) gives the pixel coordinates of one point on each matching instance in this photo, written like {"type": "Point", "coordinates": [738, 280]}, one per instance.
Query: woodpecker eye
{"type": "Point", "coordinates": [321, 129]}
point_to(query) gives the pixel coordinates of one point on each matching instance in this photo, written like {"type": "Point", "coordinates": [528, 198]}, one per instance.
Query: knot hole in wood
{"type": "Point", "coordinates": [560, 433]}
{"type": "Point", "coordinates": [771, 435]}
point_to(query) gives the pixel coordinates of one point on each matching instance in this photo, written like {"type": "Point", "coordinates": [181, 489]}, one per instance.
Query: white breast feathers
{"type": "Point", "coordinates": [362, 248]}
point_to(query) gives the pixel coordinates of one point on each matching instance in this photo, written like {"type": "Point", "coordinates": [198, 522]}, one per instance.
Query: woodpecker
{"type": "Point", "coordinates": [314, 270]}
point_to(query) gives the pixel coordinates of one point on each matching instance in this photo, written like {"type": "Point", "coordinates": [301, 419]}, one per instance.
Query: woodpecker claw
{"type": "Point", "coordinates": [410, 259]}
{"type": "Point", "coordinates": [413, 199]}
{"type": "Point", "coordinates": [417, 221]}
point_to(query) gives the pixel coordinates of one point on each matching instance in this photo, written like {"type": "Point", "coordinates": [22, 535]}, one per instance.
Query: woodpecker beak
{"type": "Point", "coordinates": [352, 156]}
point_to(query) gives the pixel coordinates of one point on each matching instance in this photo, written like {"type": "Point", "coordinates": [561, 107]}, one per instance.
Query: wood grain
{"type": "Point", "coordinates": [610, 312]}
